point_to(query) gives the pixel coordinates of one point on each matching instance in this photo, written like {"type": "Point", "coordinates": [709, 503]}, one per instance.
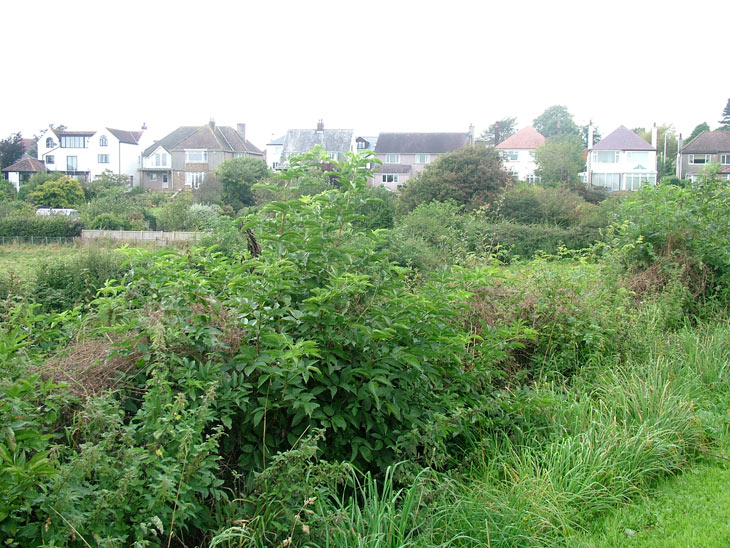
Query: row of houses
{"type": "Point", "coordinates": [183, 158]}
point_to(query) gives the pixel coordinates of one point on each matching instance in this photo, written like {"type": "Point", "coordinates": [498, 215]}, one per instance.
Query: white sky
{"type": "Point", "coordinates": [370, 65]}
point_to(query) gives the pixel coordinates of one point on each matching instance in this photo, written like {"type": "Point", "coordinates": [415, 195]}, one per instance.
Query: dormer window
{"type": "Point", "coordinates": [50, 143]}
{"type": "Point", "coordinates": [103, 142]}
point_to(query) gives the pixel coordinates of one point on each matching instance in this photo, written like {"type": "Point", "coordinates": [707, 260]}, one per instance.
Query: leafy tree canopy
{"type": "Point", "coordinates": [725, 121]}
{"type": "Point", "coordinates": [237, 176]}
{"type": "Point", "coordinates": [499, 131]}
{"type": "Point", "coordinates": [697, 130]}
{"type": "Point", "coordinates": [11, 150]}
{"type": "Point", "coordinates": [556, 120]}
{"type": "Point", "coordinates": [35, 181]}
{"type": "Point", "coordinates": [63, 192]}
{"type": "Point", "coordinates": [471, 176]}
{"type": "Point", "coordinates": [560, 159]}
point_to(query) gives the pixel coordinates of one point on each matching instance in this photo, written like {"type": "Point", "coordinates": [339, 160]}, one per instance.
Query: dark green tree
{"type": "Point", "coordinates": [237, 176]}
{"type": "Point", "coordinates": [498, 131]}
{"type": "Point", "coordinates": [725, 122]}
{"type": "Point", "coordinates": [7, 190]}
{"type": "Point", "coordinates": [471, 176]}
{"type": "Point", "coordinates": [560, 159]}
{"type": "Point", "coordinates": [584, 134]}
{"type": "Point", "coordinates": [63, 192]}
{"type": "Point", "coordinates": [11, 150]}
{"type": "Point", "coordinates": [556, 120]}
{"type": "Point", "coordinates": [697, 130]}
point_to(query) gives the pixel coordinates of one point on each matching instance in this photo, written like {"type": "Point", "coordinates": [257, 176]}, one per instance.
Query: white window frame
{"type": "Point", "coordinates": [194, 178]}
{"type": "Point", "coordinates": [102, 158]}
{"type": "Point", "coordinates": [50, 143]}
{"type": "Point", "coordinates": [510, 155]}
{"type": "Point", "coordinates": [389, 178]}
{"type": "Point", "coordinates": [160, 159]}
{"type": "Point", "coordinates": [392, 158]}
{"type": "Point", "coordinates": [333, 155]}
{"type": "Point", "coordinates": [103, 141]}
{"type": "Point", "coordinates": [50, 159]}
{"type": "Point", "coordinates": [694, 157]}
{"type": "Point", "coordinates": [202, 152]}
{"type": "Point", "coordinates": [75, 163]}
{"type": "Point", "coordinates": [422, 158]}
{"type": "Point", "coordinates": [725, 159]}
{"type": "Point", "coordinates": [153, 176]}
{"type": "Point", "coordinates": [616, 156]}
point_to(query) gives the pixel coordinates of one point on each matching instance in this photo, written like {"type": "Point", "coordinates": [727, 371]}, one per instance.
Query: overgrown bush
{"type": "Point", "coordinates": [535, 204]}
{"type": "Point", "coordinates": [55, 226]}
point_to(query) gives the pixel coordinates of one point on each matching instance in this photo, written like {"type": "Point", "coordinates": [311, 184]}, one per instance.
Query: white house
{"type": "Point", "coordinates": [273, 152]}
{"type": "Point", "coordinates": [87, 154]}
{"type": "Point", "coordinates": [518, 153]}
{"type": "Point", "coordinates": [622, 161]}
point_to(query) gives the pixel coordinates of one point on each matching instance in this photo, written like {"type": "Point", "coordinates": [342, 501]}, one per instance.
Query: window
{"type": "Point", "coordinates": [103, 141]}
{"type": "Point", "coordinates": [638, 159]}
{"type": "Point", "coordinates": [606, 180]}
{"type": "Point", "coordinates": [606, 156]}
{"type": "Point", "coordinates": [50, 143]}
{"type": "Point", "coordinates": [533, 179]}
{"type": "Point", "coordinates": [392, 158]}
{"type": "Point", "coordinates": [102, 158]}
{"type": "Point", "coordinates": [50, 159]}
{"type": "Point", "coordinates": [362, 145]}
{"type": "Point", "coordinates": [71, 163]}
{"type": "Point", "coordinates": [699, 158]}
{"type": "Point", "coordinates": [161, 160]}
{"type": "Point", "coordinates": [196, 156]}
{"type": "Point", "coordinates": [423, 158]}
{"type": "Point", "coordinates": [633, 181]}
{"type": "Point", "coordinates": [164, 178]}
{"type": "Point", "coordinates": [194, 178]}
{"type": "Point", "coordinates": [510, 155]}
{"type": "Point", "coordinates": [725, 159]}
{"type": "Point", "coordinates": [74, 141]}
{"type": "Point", "coordinates": [333, 155]}
{"type": "Point", "coordinates": [390, 178]}
{"type": "Point", "coordinates": [153, 176]}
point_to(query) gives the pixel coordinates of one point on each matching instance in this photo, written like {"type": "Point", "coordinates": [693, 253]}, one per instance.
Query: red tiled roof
{"type": "Point", "coordinates": [527, 137]}
{"type": "Point", "coordinates": [27, 165]}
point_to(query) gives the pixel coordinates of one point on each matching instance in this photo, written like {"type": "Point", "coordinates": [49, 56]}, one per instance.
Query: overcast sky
{"type": "Point", "coordinates": [368, 65]}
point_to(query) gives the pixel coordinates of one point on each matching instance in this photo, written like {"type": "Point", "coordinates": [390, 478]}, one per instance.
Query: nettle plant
{"type": "Point", "coordinates": [302, 325]}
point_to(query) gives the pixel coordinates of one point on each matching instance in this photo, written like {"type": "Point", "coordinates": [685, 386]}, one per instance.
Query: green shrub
{"type": "Point", "coordinates": [54, 226]}
{"type": "Point", "coordinates": [534, 204]}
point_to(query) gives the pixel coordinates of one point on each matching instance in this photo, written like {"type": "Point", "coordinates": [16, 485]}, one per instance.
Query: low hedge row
{"type": "Point", "coordinates": [526, 240]}
{"type": "Point", "coordinates": [41, 227]}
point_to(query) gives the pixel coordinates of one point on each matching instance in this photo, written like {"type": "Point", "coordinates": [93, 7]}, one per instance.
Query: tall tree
{"type": "Point", "coordinates": [560, 159]}
{"type": "Point", "coordinates": [471, 176]}
{"type": "Point", "coordinates": [237, 176]}
{"type": "Point", "coordinates": [556, 120]}
{"type": "Point", "coordinates": [704, 126]}
{"type": "Point", "coordinates": [725, 122]}
{"type": "Point", "coordinates": [499, 131]}
{"type": "Point", "coordinates": [584, 134]}
{"type": "Point", "coordinates": [11, 150]}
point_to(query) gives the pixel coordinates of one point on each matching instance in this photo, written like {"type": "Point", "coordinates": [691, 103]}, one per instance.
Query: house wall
{"type": "Point", "coordinates": [273, 155]}
{"type": "Point", "coordinates": [689, 170]}
{"type": "Point", "coordinates": [155, 180]}
{"type": "Point", "coordinates": [626, 166]}
{"type": "Point", "coordinates": [377, 181]}
{"type": "Point", "coordinates": [14, 178]}
{"type": "Point", "coordinates": [524, 166]}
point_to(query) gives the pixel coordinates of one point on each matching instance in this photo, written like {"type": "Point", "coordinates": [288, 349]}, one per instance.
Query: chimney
{"type": "Point", "coordinates": [590, 135]}
{"type": "Point", "coordinates": [680, 143]}
{"type": "Point", "coordinates": [654, 136]}
{"type": "Point", "coordinates": [241, 129]}
{"type": "Point", "coordinates": [471, 134]}
{"type": "Point", "coordinates": [144, 126]}
{"type": "Point", "coordinates": [320, 126]}
{"type": "Point", "coordinates": [211, 124]}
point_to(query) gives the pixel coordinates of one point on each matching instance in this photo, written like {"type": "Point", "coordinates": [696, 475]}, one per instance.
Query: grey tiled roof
{"type": "Point", "coordinates": [708, 142]}
{"type": "Point", "coordinates": [129, 137]}
{"type": "Point", "coordinates": [622, 138]}
{"type": "Point", "coordinates": [205, 137]}
{"type": "Point", "coordinates": [302, 140]}
{"type": "Point", "coordinates": [412, 143]}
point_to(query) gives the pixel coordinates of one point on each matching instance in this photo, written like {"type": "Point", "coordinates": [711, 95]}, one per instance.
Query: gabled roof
{"type": "Point", "coordinates": [205, 137]}
{"type": "Point", "coordinates": [412, 143]}
{"type": "Point", "coordinates": [171, 139]}
{"type": "Point", "coordinates": [27, 165]}
{"type": "Point", "coordinates": [708, 142]}
{"type": "Point", "coordinates": [622, 138]}
{"type": "Point", "coordinates": [124, 136]}
{"type": "Point", "coordinates": [277, 141]}
{"type": "Point", "coordinates": [302, 140]}
{"type": "Point", "coordinates": [527, 138]}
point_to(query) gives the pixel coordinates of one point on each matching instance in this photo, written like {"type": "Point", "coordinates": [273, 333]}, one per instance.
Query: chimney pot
{"type": "Point", "coordinates": [211, 123]}
{"type": "Point", "coordinates": [320, 125]}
